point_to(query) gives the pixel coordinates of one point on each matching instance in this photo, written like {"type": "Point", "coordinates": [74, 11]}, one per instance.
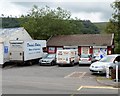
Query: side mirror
{"type": "Point", "coordinates": [116, 62]}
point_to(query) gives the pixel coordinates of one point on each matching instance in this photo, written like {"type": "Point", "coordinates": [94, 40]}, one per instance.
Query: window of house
{"type": "Point", "coordinates": [59, 48]}
{"type": "Point", "coordinates": [51, 49]}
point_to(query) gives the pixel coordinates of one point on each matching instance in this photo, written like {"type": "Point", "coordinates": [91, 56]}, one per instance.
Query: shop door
{"type": "Point", "coordinates": [84, 50]}
{"type": "Point", "coordinates": [99, 53]}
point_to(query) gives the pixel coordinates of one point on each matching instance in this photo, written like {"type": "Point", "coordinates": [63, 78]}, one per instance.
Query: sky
{"type": "Point", "coordinates": [93, 10]}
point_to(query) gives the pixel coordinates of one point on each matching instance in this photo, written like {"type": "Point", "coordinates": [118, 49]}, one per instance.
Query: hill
{"type": "Point", "coordinates": [101, 26]}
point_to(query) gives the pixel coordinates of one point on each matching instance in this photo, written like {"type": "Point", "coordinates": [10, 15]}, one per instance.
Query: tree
{"type": "Point", "coordinates": [42, 23]}
{"type": "Point", "coordinates": [45, 22]}
{"type": "Point", "coordinates": [114, 25]}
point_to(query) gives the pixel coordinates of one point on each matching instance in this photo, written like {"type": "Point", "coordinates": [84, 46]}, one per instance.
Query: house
{"type": "Point", "coordinates": [8, 34]}
{"type": "Point", "coordinates": [97, 44]}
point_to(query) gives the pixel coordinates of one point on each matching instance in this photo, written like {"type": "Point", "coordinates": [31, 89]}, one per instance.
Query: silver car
{"type": "Point", "coordinates": [100, 66]}
{"type": "Point", "coordinates": [49, 59]}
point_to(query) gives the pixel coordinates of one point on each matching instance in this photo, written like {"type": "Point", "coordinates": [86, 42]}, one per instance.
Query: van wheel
{"type": "Point", "coordinates": [30, 63]}
{"type": "Point", "coordinates": [72, 63]}
{"type": "Point", "coordinates": [60, 65]}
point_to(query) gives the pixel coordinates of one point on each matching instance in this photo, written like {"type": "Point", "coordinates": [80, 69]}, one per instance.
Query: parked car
{"type": "Point", "coordinates": [86, 59]}
{"type": "Point", "coordinates": [49, 59]}
{"type": "Point", "coordinates": [100, 66]}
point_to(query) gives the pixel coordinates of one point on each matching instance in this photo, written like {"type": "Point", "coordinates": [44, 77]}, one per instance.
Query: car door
{"type": "Point", "coordinates": [118, 61]}
{"type": "Point", "coordinates": [113, 65]}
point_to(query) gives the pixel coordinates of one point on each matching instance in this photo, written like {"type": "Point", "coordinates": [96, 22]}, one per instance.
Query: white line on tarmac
{"type": "Point", "coordinates": [82, 74]}
{"type": "Point", "coordinates": [70, 74]}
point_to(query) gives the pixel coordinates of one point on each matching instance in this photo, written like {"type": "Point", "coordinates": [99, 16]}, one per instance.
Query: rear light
{"type": "Point", "coordinates": [89, 59]}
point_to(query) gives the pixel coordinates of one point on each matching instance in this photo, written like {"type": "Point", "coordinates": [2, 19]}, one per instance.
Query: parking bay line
{"type": "Point", "coordinates": [83, 73]}
{"type": "Point", "coordinates": [70, 74]}
{"type": "Point", "coordinates": [98, 87]}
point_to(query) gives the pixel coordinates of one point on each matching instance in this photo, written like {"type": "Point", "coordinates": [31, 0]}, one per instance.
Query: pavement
{"type": "Point", "coordinates": [108, 82]}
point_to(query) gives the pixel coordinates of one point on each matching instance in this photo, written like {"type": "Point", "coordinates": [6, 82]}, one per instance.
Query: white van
{"type": "Point", "coordinates": [26, 51]}
{"type": "Point", "coordinates": [67, 56]}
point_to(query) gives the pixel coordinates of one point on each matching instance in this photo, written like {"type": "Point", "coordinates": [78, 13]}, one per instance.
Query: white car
{"type": "Point", "coordinates": [100, 66]}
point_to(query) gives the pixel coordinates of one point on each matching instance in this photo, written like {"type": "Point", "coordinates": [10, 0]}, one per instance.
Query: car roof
{"type": "Point", "coordinates": [114, 55]}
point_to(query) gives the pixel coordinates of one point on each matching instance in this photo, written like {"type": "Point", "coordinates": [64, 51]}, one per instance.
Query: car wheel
{"type": "Point", "coordinates": [72, 63]}
{"type": "Point", "coordinates": [52, 63]}
{"type": "Point", "coordinates": [40, 64]}
{"type": "Point", "coordinates": [110, 71]}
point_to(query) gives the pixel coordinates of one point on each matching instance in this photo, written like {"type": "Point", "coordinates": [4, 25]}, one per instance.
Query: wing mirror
{"type": "Point", "coordinates": [116, 62]}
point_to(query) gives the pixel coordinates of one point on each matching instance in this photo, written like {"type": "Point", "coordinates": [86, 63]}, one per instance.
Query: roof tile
{"type": "Point", "coordinates": [81, 40]}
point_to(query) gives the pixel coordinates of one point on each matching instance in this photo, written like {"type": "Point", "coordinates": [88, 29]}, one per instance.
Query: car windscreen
{"type": "Point", "coordinates": [108, 59]}
{"type": "Point", "coordinates": [50, 56]}
{"type": "Point", "coordinates": [84, 56]}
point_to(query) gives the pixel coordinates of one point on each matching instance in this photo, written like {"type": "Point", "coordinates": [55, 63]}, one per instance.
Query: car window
{"type": "Point", "coordinates": [117, 59]}
{"type": "Point", "coordinates": [108, 59]}
{"type": "Point", "coordinates": [45, 55]}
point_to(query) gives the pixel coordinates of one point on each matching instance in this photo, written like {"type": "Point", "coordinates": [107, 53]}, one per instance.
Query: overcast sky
{"type": "Point", "coordinates": [93, 10]}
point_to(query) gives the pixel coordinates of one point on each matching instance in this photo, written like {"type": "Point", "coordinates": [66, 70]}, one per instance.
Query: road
{"type": "Point", "coordinates": [52, 80]}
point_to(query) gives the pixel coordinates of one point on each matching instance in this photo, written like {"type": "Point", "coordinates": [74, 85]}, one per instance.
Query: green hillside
{"type": "Point", "coordinates": [101, 26]}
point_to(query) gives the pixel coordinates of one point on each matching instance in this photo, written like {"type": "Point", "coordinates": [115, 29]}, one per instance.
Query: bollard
{"type": "Point", "coordinates": [116, 72]}
{"type": "Point", "coordinates": [107, 72]}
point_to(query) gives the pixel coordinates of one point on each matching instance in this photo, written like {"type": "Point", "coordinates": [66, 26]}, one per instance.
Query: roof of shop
{"type": "Point", "coordinates": [81, 40]}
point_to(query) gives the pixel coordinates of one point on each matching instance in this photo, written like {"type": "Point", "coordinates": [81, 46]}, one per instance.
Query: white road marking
{"type": "Point", "coordinates": [70, 74]}
{"type": "Point", "coordinates": [82, 74]}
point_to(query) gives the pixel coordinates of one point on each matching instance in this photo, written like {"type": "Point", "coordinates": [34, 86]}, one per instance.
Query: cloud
{"type": "Point", "coordinates": [94, 10]}
{"type": "Point", "coordinates": [94, 17]}
{"type": "Point", "coordinates": [10, 9]}
{"type": "Point", "coordinates": [61, 0]}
